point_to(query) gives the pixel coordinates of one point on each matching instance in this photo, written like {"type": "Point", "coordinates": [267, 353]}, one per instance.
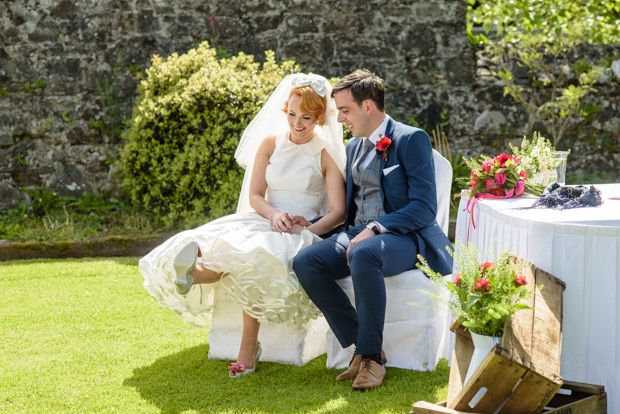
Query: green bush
{"type": "Point", "coordinates": [178, 159]}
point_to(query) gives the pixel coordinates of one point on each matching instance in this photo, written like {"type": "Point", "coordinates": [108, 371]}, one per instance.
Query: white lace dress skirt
{"type": "Point", "coordinates": [257, 263]}
{"type": "Point", "coordinates": [256, 260]}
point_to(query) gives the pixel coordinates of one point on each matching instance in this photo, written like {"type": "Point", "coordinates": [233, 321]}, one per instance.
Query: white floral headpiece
{"type": "Point", "coordinates": [316, 82]}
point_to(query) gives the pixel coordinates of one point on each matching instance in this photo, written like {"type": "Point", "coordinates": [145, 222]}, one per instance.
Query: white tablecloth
{"type": "Point", "coordinates": [582, 248]}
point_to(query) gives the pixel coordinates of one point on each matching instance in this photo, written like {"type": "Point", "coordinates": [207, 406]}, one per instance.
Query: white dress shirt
{"type": "Point", "coordinates": [374, 137]}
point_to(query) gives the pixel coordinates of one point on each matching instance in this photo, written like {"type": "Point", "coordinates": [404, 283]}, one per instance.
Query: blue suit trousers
{"type": "Point", "coordinates": [370, 261]}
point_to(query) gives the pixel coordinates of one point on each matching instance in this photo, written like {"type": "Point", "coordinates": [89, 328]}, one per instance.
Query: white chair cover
{"type": "Point", "coordinates": [443, 182]}
{"type": "Point", "coordinates": [280, 342]}
{"type": "Point", "coordinates": [414, 336]}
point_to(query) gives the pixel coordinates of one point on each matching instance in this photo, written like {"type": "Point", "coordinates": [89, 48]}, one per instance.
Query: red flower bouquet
{"type": "Point", "coordinates": [502, 176]}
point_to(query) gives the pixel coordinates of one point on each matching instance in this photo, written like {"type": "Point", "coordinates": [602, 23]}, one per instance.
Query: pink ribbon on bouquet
{"type": "Point", "coordinates": [515, 192]}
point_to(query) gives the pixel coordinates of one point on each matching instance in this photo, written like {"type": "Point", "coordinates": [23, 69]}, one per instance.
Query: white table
{"type": "Point", "coordinates": [582, 248]}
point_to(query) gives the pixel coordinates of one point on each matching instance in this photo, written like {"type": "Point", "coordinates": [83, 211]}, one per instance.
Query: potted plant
{"type": "Point", "coordinates": [482, 296]}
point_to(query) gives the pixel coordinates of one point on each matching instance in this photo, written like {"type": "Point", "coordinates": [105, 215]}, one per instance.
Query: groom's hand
{"type": "Point", "coordinates": [301, 221]}
{"type": "Point", "coordinates": [365, 234]}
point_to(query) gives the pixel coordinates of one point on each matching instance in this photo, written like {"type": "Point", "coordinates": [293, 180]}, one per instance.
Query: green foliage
{"type": "Point", "coordinates": [595, 21]}
{"type": "Point", "coordinates": [475, 40]}
{"type": "Point", "coordinates": [593, 177]}
{"type": "Point", "coordinates": [562, 89]}
{"type": "Point", "coordinates": [20, 160]}
{"type": "Point", "coordinates": [581, 66]}
{"type": "Point", "coordinates": [542, 36]}
{"type": "Point", "coordinates": [51, 217]}
{"type": "Point", "coordinates": [68, 119]}
{"type": "Point", "coordinates": [221, 53]}
{"type": "Point", "coordinates": [482, 295]}
{"type": "Point", "coordinates": [3, 92]}
{"type": "Point", "coordinates": [44, 199]}
{"type": "Point", "coordinates": [31, 87]}
{"type": "Point", "coordinates": [112, 122]}
{"type": "Point", "coordinates": [135, 71]}
{"type": "Point", "coordinates": [178, 159]}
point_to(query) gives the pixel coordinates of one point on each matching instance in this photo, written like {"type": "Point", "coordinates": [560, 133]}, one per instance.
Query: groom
{"type": "Point", "coordinates": [391, 209]}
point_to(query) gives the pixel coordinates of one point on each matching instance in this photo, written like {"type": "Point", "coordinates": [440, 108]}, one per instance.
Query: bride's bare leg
{"type": "Point", "coordinates": [189, 272]}
{"type": "Point", "coordinates": [203, 274]}
{"type": "Point", "coordinates": [249, 341]}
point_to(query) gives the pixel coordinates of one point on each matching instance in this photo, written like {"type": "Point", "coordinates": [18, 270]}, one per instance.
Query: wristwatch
{"type": "Point", "coordinates": [374, 226]}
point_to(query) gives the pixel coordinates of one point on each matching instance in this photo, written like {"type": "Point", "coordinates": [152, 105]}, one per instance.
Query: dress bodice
{"type": "Point", "coordinates": [295, 182]}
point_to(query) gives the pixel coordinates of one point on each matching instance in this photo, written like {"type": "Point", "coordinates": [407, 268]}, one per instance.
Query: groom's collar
{"type": "Point", "coordinates": [380, 131]}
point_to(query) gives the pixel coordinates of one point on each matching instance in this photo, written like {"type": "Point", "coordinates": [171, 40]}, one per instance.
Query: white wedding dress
{"type": "Point", "coordinates": [257, 261]}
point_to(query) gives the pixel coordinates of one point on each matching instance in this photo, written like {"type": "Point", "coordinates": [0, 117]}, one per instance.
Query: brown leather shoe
{"type": "Point", "coordinates": [371, 375]}
{"type": "Point", "coordinates": [354, 367]}
{"type": "Point", "coordinates": [353, 370]}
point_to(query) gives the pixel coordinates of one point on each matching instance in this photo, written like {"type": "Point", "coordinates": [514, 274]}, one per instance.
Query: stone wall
{"type": "Point", "coordinates": [52, 53]}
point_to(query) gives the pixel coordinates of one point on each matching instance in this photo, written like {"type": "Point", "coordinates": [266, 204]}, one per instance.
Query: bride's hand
{"type": "Point", "coordinates": [281, 222]}
{"type": "Point", "coordinates": [301, 221]}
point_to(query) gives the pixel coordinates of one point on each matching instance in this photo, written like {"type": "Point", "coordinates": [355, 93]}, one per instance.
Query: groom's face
{"type": "Point", "coordinates": [352, 114]}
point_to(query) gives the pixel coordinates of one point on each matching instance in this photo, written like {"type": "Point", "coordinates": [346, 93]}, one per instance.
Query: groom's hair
{"type": "Point", "coordinates": [363, 85]}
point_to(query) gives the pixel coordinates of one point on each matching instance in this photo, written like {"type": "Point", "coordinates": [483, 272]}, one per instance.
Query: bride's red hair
{"type": "Point", "coordinates": [311, 103]}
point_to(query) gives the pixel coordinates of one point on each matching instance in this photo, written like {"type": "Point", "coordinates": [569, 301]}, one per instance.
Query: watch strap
{"type": "Point", "coordinates": [374, 227]}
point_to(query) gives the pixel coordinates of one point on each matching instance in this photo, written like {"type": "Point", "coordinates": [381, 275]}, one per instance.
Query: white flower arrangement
{"type": "Point", "coordinates": [537, 158]}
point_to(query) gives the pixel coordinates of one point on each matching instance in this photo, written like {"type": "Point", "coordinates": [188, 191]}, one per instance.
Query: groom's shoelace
{"type": "Point", "coordinates": [366, 364]}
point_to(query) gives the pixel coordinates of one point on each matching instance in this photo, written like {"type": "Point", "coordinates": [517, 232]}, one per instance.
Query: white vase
{"type": "Point", "coordinates": [482, 345]}
{"type": "Point", "coordinates": [560, 170]}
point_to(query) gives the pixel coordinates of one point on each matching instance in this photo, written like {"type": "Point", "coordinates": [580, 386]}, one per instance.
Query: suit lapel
{"type": "Point", "coordinates": [389, 132]}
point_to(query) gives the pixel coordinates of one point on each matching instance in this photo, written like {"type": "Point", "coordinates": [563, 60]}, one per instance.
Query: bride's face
{"type": "Point", "coordinates": [301, 124]}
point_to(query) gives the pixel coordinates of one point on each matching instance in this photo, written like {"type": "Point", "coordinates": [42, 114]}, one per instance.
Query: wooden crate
{"type": "Point", "coordinates": [583, 399]}
{"type": "Point", "coordinates": [501, 385]}
{"type": "Point", "coordinates": [522, 374]}
{"type": "Point", "coordinates": [532, 338]}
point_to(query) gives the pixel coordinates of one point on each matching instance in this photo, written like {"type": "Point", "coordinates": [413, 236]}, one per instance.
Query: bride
{"type": "Point", "coordinates": [291, 179]}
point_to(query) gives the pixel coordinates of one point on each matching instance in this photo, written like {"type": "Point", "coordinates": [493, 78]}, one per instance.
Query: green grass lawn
{"type": "Point", "coordinates": [83, 336]}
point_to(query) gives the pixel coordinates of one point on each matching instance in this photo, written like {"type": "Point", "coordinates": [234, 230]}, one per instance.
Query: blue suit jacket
{"type": "Point", "coordinates": [408, 192]}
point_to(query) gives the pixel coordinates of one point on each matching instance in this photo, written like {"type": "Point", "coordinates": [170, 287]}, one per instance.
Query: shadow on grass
{"type": "Point", "coordinates": [189, 381]}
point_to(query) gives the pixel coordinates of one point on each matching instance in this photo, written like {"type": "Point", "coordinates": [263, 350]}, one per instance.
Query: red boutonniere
{"type": "Point", "coordinates": [382, 146]}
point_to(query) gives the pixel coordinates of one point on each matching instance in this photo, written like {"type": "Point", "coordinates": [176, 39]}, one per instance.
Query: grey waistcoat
{"type": "Point", "coordinates": [367, 196]}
